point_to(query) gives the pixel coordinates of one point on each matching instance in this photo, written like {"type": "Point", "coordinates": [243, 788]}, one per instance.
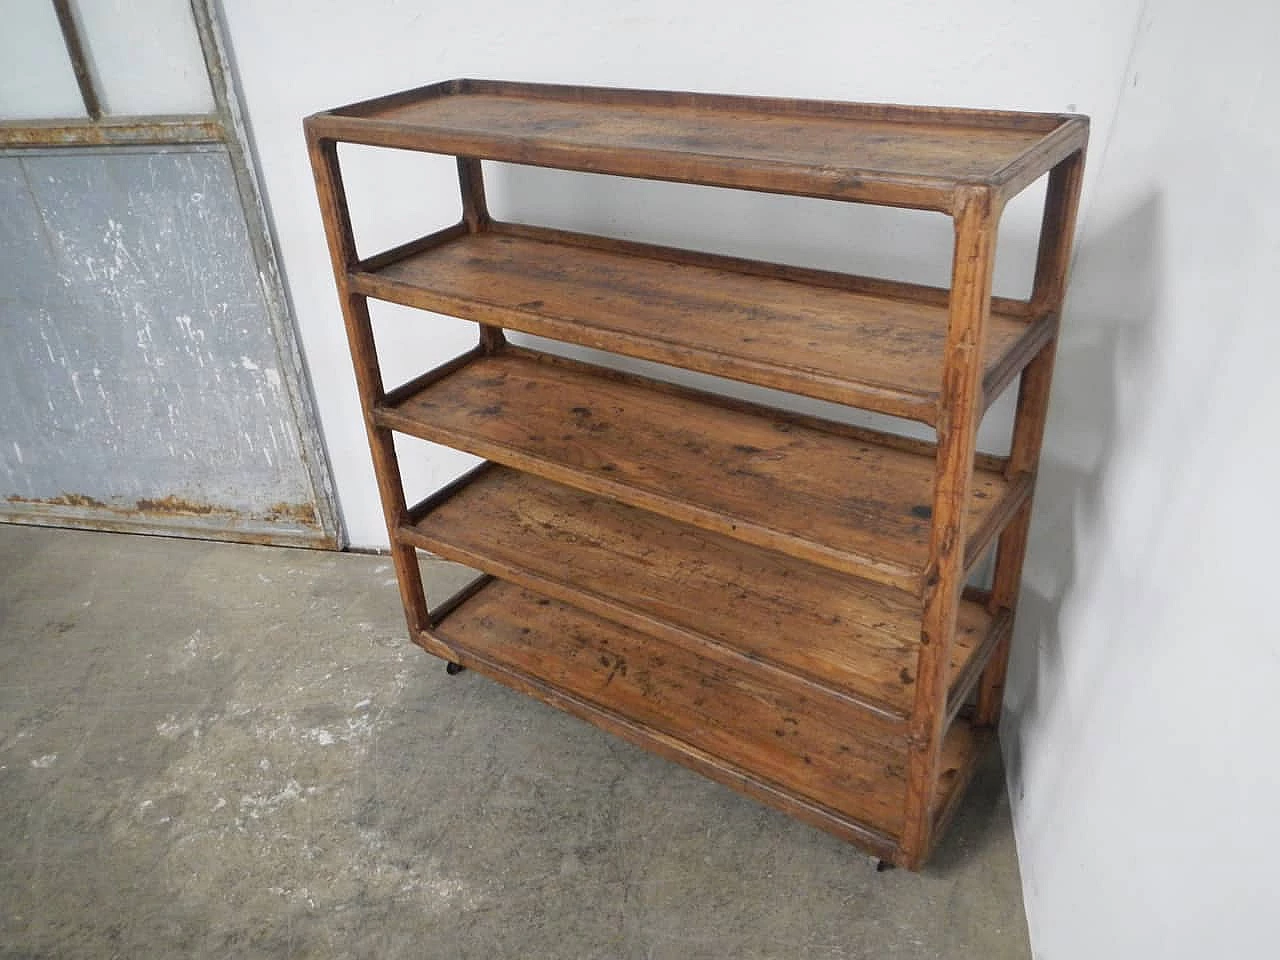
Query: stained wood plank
{"type": "Point", "coordinates": [907, 156]}
{"type": "Point", "coordinates": [962, 749]}
{"type": "Point", "coordinates": [766, 479]}
{"type": "Point", "coordinates": [876, 352]}
{"type": "Point", "coordinates": [812, 747]}
{"type": "Point", "coordinates": [743, 602]}
{"type": "Point", "coordinates": [947, 152]}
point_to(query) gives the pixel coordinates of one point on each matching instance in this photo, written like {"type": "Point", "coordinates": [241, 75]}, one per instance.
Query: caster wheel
{"type": "Point", "coordinates": [883, 866]}
{"type": "Point", "coordinates": [453, 669]}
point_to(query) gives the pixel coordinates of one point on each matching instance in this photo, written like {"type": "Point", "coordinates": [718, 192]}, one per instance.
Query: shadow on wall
{"type": "Point", "coordinates": [1105, 362]}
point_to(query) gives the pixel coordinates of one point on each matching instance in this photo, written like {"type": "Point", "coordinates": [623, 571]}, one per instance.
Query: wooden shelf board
{"type": "Point", "coordinates": [808, 755]}
{"type": "Point", "coordinates": [962, 748]}
{"type": "Point", "coordinates": [966, 673]}
{"type": "Point", "coordinates": [748, 607]}
{"type": "Point", "coordinates": [808, 332]}
{"type": "Point", "coordinates": [905, 156]}
{"type": "Point", "coordinates": [762, 477]}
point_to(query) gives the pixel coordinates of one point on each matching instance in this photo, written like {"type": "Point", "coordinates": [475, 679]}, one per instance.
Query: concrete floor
{"type": "Point", "coordinates": [210, 750]}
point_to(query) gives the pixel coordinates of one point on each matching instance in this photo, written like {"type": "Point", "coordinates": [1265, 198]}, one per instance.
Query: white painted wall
{"type": "Point", "coordinates": [1143, 708]}
{"type": "Point", "coordinates": [1141, 699]}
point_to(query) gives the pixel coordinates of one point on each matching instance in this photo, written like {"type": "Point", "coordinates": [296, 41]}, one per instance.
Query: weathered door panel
{"type": "Point", "coordinates": [139, 380]}
{"type": "Point", "coordinates": [150, 378]}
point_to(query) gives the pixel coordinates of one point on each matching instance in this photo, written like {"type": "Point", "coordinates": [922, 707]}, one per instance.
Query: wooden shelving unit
{"type": "Point", "coordinates": [775, 600]}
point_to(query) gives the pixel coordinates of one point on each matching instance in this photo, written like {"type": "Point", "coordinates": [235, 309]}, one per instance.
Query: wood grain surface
{"type": "Point", "coordinates": [903, 156]}
{"type": "Point", "coordinates": [815, 745]}
{"type": "Point", "coordinates": [767, 480]}
{"type": "Point", "coordinates": [877, 352]}
{"type": "Point", "coordinates": [648, 572]}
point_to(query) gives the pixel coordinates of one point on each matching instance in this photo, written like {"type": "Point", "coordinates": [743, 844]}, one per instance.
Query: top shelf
{"type": "Point", "coordinates": [874, 153]}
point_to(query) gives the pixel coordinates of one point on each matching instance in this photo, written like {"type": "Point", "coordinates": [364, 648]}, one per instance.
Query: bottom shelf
{"type": "Point", "coordinates": [813, 755]}
{"type": "Point", "coordinates": [962, 748]}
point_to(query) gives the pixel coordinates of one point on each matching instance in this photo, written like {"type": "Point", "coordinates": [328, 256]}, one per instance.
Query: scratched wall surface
{"type": "Point", "coordinates": [138, 371]}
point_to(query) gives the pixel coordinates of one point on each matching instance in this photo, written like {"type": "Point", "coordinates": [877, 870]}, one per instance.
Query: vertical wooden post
{"type": "Point", "coordinates": [959, 409]}
{"type": "Point", "coordinates": [1057, 230]}
{"type": "Point", "coordinates": [475, 211]}
{"type": "Point", "coordinates": [1011, 550]}
{"type": "Point", "coordinates": [1057, 233]}
{"type": "Point", "coordinates": [355, 312]}
{"type": "Point", "coordinates": [475, 214]}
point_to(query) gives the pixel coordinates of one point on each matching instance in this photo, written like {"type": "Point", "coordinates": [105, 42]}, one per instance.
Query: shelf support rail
{"type": "Point", "coordinates": [1057, 231]}
{"type": "Point", "coordinates": [355, 311]}
{"type": "Point", "coordinates": [475, 214]}
{"type": "Point", "coordinates": [960, 403]}
{"type": "Point", "coordinates": [355, 314]}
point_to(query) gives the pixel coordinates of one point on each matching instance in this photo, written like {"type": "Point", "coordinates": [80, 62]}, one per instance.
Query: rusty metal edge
{"type": "Point", "coordinates": [111, 131]}
{"type": "Point", "coordinates": [294, 374]}
{"type": "Point", "coordinates": [220, 526]}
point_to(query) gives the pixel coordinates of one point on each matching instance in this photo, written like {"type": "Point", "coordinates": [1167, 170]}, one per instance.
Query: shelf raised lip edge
{"type": "Point", "coordinates": [1061, 136]}
{"type": "Point", "coordinates": [1035, 121]}
{"type": "Point", "coordinates": [944, 803]}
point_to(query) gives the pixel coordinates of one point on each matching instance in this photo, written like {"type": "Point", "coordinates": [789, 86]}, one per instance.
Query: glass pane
{"type": "Point", "coordinates": [145, 56]}
{"type": "Point", "coordinates": [36, 80]}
